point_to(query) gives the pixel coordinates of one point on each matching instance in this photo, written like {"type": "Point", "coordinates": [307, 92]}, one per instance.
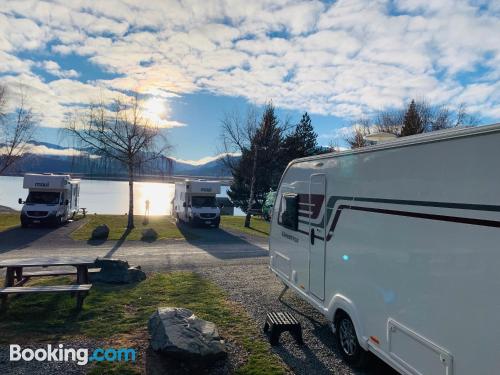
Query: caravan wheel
{"type": "Point", "coordinates": [347, 341]}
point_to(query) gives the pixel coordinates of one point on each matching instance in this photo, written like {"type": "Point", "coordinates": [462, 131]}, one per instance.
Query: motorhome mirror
{"type": "Point", "coordinates": [20, 201]}
{"type": "Point", "coordinates": [66, 202]}
{"type": "Point", "coordinates": [221, 205]}
{"type": "Point", "coordinates": [184, 204]}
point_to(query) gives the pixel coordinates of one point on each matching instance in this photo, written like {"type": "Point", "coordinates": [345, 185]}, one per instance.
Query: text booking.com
{"type": "Point", "coordinates": [82, 356]}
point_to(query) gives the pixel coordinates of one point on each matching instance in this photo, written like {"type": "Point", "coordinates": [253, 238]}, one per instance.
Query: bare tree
{"type": "Point", "coordinates": [333, 146]}
{"type": "Point", "coordinates": [390, 121]}
{"type": "Point", "coordinates": [119, 132]}
{"type": "Point", "coordinates": [361, 129]}
{"type": "Point", "coordinates": [16, 130]}
{"type": "Point", "coordinates": [237, 134]}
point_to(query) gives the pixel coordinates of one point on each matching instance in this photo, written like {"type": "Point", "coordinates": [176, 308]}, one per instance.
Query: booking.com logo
{"type": "Point", "coordinates": [61, 354]}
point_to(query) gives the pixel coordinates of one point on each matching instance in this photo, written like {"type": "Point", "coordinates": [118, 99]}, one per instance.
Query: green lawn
{"type": "Point", "coordinates": [114, 311]}
{"type": "Point", "coordinates": [9, 220]}
{"type": "Point", "coordinates": [258, 226]}
{"type": "Point", "coordinates": [163, 225]}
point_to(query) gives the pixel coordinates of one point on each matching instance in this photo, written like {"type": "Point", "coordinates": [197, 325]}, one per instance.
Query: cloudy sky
{"type": "Point", "coordinates": [194, 60]}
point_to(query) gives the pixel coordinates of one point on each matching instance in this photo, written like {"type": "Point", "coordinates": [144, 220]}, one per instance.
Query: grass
{"type": "Point", "coordinates": [113, 310]}
{"type": "Point", "coordinates": [164, 226]}
{"type": "Point", "coordinates": [9, 220]}
{"type": "Point", "coordinates": [258, 226]}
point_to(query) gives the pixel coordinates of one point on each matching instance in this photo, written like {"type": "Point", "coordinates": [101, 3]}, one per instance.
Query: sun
{"type": "Point", "coordinates": [154, 109]}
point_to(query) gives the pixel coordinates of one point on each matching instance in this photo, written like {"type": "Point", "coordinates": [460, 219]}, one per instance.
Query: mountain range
{"type": "Point", "coordinates": [51, 158]}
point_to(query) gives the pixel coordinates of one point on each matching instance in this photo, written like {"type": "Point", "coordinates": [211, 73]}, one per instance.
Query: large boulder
{"type": "Point", "coordinates": [178, 333]}
{"type": "Point", "coordinates": [116, 271]}
{"type": "Point", "coordinates": [100, 232]}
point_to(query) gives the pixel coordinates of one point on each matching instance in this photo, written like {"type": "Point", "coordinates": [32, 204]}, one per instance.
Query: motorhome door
{"type": "Point", "coordinates": [317, 242]}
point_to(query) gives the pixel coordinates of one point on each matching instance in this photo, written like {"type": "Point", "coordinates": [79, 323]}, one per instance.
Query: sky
{"type": "Point", "coordinates": [192, 61]}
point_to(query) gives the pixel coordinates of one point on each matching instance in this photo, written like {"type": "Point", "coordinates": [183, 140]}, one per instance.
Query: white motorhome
{"type": "Point", "coordinates": [52, 199]}
{"type": "Point", "coordinates": [398, 246]}
{"type": "Point", "coordinates": [194, 202]}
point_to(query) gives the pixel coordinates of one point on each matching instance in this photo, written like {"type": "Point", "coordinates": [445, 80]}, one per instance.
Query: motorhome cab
{"type": "Point", "coordinates": [398, 245]}
{"type": "Point", "coordinates": [52, 199]}
{"type": "Point", "coordinates": [194, 202]}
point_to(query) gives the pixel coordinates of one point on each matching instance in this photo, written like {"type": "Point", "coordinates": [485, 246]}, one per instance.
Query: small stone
{"type": "Point", "coordinates": [101, 232]}
{"type": "Point", "coordinates": [149, 234]}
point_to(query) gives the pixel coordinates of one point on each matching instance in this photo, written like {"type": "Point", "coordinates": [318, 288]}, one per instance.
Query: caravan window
{"type": "Point", "coordinates": [43, 197]}
{"type": "Point", "coordinates": [204, 202]}
{"type": "Point", "coordinates": [289, 212]}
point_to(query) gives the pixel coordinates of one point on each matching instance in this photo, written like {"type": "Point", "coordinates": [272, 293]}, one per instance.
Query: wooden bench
{"type": "Point", "coordinates": [80, 290]}
{"type": "Point", "coordinates": [56, 273]}
{"type": "Point", "coordinates": [278, 322]}
{"type": "Point", "coordinates": [28, 275]}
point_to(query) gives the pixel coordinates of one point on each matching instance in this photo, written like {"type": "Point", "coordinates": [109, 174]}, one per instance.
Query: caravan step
{"type": "Point", "coordinates": [279, 322]}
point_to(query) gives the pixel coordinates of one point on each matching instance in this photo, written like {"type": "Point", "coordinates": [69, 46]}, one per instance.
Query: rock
{"type": "Point", "coordinates": [149, 235]}
{"type": "Point", "coordinates": [135, 274]}
{"type": "Point", "coordinates": [117, 271]}
{"type": "Point", "coordinates": [101, 232]}
{"type": "Point", "coordinates": [178, 332]}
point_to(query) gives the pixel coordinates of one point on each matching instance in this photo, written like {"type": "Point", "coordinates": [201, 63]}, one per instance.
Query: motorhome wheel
{"type": "Point", "coordinates": [347, 342]}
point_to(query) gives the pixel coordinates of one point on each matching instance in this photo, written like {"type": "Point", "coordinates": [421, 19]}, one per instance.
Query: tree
{"type": "Point", "coordinates": [412, 123]}
{"type": "Point", "coordinates": [119, 132]}
{"type": "Point", "coordinates": [237, 133]}
{"type": "Point", "coordinates": [16, 130]}
{"type": "Point", "coordinates": [357, 138]}
{"type": "Point", "coordinates": [417, 117]}
{"type": "Point", "coordinates": [259, 167]}
{"type": "Point", "coordinates": [302, 141]}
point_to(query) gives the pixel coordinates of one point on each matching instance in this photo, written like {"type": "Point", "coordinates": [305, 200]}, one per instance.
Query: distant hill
{"type": "Point", "coordinates": [48, 157]}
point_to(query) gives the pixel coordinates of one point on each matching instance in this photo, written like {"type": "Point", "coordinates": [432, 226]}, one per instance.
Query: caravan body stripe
{"type": "Point", "coordinates": [317, 203]}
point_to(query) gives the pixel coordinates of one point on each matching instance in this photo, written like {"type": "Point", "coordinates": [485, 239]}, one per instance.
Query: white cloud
{"type": "Point", "coordinates": [53, 68]}
{"type": "Point", "coordinates": [348, 58]}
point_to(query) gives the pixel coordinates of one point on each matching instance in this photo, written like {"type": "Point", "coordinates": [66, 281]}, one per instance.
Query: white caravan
{"type": "Point", "coordinates": [52, 199]}
{"type": "Point", "coordinates": [398, 246]}
{"type": "Point", "coordinates": [194, 202]}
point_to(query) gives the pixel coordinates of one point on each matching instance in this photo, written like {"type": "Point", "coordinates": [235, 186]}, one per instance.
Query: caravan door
{"type": "Point", "coordinates": [317, 241]}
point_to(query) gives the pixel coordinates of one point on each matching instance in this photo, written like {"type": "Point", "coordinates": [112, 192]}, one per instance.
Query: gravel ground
{"type": "Point", "coordinates": [257, 289]}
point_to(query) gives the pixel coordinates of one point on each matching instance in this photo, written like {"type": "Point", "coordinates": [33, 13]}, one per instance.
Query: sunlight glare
{"type": "Point", "coordinates": [159, 195]}
{"type": "Point", "coordinates": [155, 109]}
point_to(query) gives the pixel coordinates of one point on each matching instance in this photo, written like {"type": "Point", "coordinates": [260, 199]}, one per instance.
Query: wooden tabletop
{"type": "Point", "coordinates": [47, 262]}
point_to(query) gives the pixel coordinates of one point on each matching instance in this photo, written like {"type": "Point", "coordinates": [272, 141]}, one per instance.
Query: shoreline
{"type": "Point", "coordinates": [7, 210]}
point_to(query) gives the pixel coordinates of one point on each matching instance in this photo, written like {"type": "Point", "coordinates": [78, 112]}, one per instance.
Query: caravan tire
{"type": "Point", "coordinates": [347, 341]}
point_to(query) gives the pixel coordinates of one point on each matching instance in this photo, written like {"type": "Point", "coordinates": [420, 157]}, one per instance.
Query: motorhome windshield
{"type": "Point", "coordinates": [43, 197]}
{"type": "Point", "coordinates": [203, 202]}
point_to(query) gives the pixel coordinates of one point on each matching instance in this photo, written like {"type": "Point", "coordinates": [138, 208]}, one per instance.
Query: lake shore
{"type": "Point", "coordinates": [5, 209]}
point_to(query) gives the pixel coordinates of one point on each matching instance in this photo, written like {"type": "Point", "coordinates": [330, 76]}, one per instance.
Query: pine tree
{"type": "Point", "coordinates": [412, 123]}
{"type": "Point", "coordinates": [307, 143]}
{"type": "Point", "coordinates": [259, 168]}
{"type": "Point", "coordinates": [301, 142]}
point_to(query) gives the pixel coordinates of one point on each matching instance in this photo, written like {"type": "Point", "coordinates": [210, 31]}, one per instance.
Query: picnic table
{"type": "Point", "coordinates": [16, 277]}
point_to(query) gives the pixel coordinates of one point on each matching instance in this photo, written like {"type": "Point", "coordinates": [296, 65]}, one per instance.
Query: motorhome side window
{"type": "Point", "coordinates": [289, 212]}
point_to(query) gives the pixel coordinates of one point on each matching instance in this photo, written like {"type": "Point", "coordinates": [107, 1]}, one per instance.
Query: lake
{"type": "Point", "coordinates": [105, 197]}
